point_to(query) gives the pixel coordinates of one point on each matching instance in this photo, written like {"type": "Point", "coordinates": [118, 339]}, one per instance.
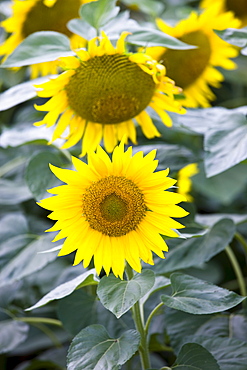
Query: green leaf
{"type": "Point", "coordinates": [161, 282]}
{"type": "Point", "coordinates": [94, 349]}
{"type": "Point", "coordinates": [20, 93]}
{"type": "Point", "coordinates": [230, 353]}
{"type": "Point", "coordinates": [211, 219]}
{"type": "Point", "coordinates": [39, 47]}
{"type": "Point", "coordinates": [27, 261]}
{"type": "Point", "coordinates": [98, 13]}
{"type": "Point", "coordinates": [13, 192]}
{"type": "Point", "coordinates": [12, 334]}
{"type": "Point", "coordinates": [198, 250]}
{"type": "Point", "coordinates": [234, 36]}
{"type": "Point", "coordinates": [153, 8]}
{"type": "Point", "coordinates": [38, 174]}
{"type": "Point", "coordinates": [199, 297]}
{"type": "Point", "coordinates": [63, 290]}
{"type": "Point", "coordinates": [81, 28]}
{"type": "Point", "coordinates": [225, 186]}
{"type": "Point", "coordinates": [118, 296]}
{"type": "Point", "coordinates": [195, 357]}
{"type": "Point", "coordinates": [225, 141]}
{"type": "Point", "coordinates": [151, 37]}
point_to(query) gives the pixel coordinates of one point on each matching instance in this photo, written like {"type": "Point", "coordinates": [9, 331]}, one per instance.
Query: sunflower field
{"type": "Point", "coordinates": [123, 185]}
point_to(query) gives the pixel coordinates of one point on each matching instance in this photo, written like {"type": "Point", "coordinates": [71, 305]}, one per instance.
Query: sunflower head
{"type": "Point", "coordinates": [103, 90]}
{"type": "Point", "coordinates": [237, 7]}
{"type": "Point", "coordinates": [114, 210]}
{"type": "Point", "coordinates": [40, 15]}
{"type": "Point", "coordinates": [194, 69]}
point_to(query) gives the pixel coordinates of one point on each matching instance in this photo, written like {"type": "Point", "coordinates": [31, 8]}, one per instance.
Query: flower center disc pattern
{"type": "Point", "coordinates": [194, 60]}
{"type": "Point", "coordinates": [114, 206]}
{"type": "Point", "coordinates": [43, 18]}
{"type": "Point", "coordinates": [109, 89]}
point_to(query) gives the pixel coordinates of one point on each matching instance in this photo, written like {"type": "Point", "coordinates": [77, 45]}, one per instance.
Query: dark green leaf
{"type": "Point", "coordinates": [20, 93]}
{"type": "Point", "coordinates": [63, 290]}
{"type": "Point", "coordinates": [161, 282]}
{"type": "Point", "coordinates": [98, 13]}
{"type": "Point", "coordinates": [118, 296]}
{"type": "Point", "coordinates": [38, 174]}
{"type": "Point", "coordinates": [27, 261]}
{"type": "Point", "coordinates": [151, 7]}
{"type": "Point", "coordinates": [234, 36]}
{"type": "Point", "coordinates": [12, 334]}
{"type": "Point", "coordinates": [94, 349]}
{"type": "Point", "coordinates": [195, 357]}
{"type": "Point", "coordinates": [230, 353]}
{"type": "Point", "coordinates": [199, 297]}
{"type": "Point", "coordinates": [198, 250]}
{"type": "Point", "coordinates": [39, 47]}
{"type": "Point", "coordinates": [151, 37]}
{"type": "Point", "coordinates": [226, 141]}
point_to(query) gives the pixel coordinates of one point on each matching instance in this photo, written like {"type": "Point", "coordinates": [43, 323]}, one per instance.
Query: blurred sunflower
{"type": "Point", "coordinates": [114, 210]}
{"type": "Point", "coordinates": [184, 182]}
{"type": "Point", "coordinates": [102, 90]}
{"type": "Point", "coordinates": [238, 7]}
{"type": "Point", "coordinates": [194, 70]}
{"type": "Point", "coordinates": [40, 15]}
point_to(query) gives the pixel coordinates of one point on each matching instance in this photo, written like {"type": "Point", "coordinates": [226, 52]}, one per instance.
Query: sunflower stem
{"type": "Point", "coordinates": [139, 324]}
{"type": "Point", "coordinates": [152, 314]}
{"type": "Point", "coordinates": [237, 269]}
{"type": "Point", "coordinates": [241, 240]}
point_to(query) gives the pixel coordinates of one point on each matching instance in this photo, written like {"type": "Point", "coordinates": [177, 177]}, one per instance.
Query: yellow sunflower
{"type": "Point", "coordinates": [114, 210]}
{"type": "Point", "coordinates": [31, 16]}
{"type": "Point", "coordinates": [184, 182]}
{"type": "Point", "coordinates": [102, 90]}
{"type": "Point", "coordinates": [238, 7]}
{"type": "Point", "coordinates": [194, 70]}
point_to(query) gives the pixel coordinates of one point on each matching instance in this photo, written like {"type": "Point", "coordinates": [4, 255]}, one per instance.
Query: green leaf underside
{"type": "Point", "coordinates": [63, 290]}
{"type": "Point", "coordinates": [234, 36]}
{"type": "Point", "coordinates": [152, 37]}
{"type": "Point", "coordinates": [118, 296]}
{"type": "Point", "coordinates": [193, 356]}
{"type": "Point", "coordinates": [94, 349]}
{"type": "Point", "coordinates": [198, 250]}
{"type": "Point", "coordinates": [98, 13]}
{"type": "Point", "coordinates": [199, 297]}
{"type": "Point", "coordinates": [12, 334]}
{"type": "Point", "coordinates": [20, 93]}
{"type": "Point", "coordinates": [39, 47]}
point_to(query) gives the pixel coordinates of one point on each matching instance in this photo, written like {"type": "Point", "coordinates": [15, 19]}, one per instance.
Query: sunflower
{"type": "Point", "coordinates": [194, 70]}
{"type": "Point", "coordinates": [238, 7]}
{"type": "Point", "coordinates": [40, 15]}
{"type": "Point", "coordinates": [184, 182]}
{"type": "Point", "coordinates": [114, 210]}
{"type": "Point", "coordinates": [102, 90]}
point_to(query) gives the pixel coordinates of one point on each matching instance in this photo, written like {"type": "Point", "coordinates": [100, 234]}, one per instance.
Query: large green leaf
{"type": "Point", "coordinates": [39, 47]}
{"type": "Point", "coordinates": [153, 8]}
{"type": "Point", "coordinates": [225, 142]}
{"type": "Point", "coordinates": [13, 192]}
{"type": "Point", "coordinates": [63, 290]}
{"type": "Point", "coordinates": [199, 297]}
{"type": "Point", "coordinates": [12, 334]}
{"type": "Point", "coordinates": [230, 353]}
{"type": "Point", "coordinates": [211, 219]}
{"type": "Point", "coordinates": [118, 296]}
{"type": "Point", "coordinates": [38, 174]}
{"type": "Point", "coordinates": [20, 93]}
{"type": "Point", "coordinates": [198, 250]}
{"type": "Point", "coordinates": [195, 357]}
{"type": "Point", "coordinates": [151, 37]}
{"type": "Point", "coordinates": [234, 36]}
{"type": "Point", "coordinates": [94, 349]}
{"type": "Point", "coordinates": [27, 261]}
{"type": "Point", "coordinates": [100, 12]}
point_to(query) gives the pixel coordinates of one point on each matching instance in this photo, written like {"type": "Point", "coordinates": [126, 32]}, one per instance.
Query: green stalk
{"type": "Point", "coordinates": [237, 269]}
{"type": "Point", "coordinates": [241, 240]}
{"type": "Point", "coordinates": [139, 324]}
{"type": "Point", "coordinates": [39, 320]}
{"type": "Point", "coordinates": [152, 314]}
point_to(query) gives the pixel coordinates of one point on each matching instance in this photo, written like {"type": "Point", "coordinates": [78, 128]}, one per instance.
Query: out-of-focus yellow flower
{"type": "Point", "coordinates": [184, 182]}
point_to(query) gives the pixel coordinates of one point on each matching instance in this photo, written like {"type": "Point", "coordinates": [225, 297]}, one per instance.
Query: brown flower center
{"type": "Point", "coordinates": [109, 89]}
{"type": "Point", "coordinates": [239, 8]}
{"type": "Point", "coordinates": [185, 66]}
{"type": "Point", "coordinates": [43, 18]}
{"type": "Point", "coordinates": [114, 206]}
